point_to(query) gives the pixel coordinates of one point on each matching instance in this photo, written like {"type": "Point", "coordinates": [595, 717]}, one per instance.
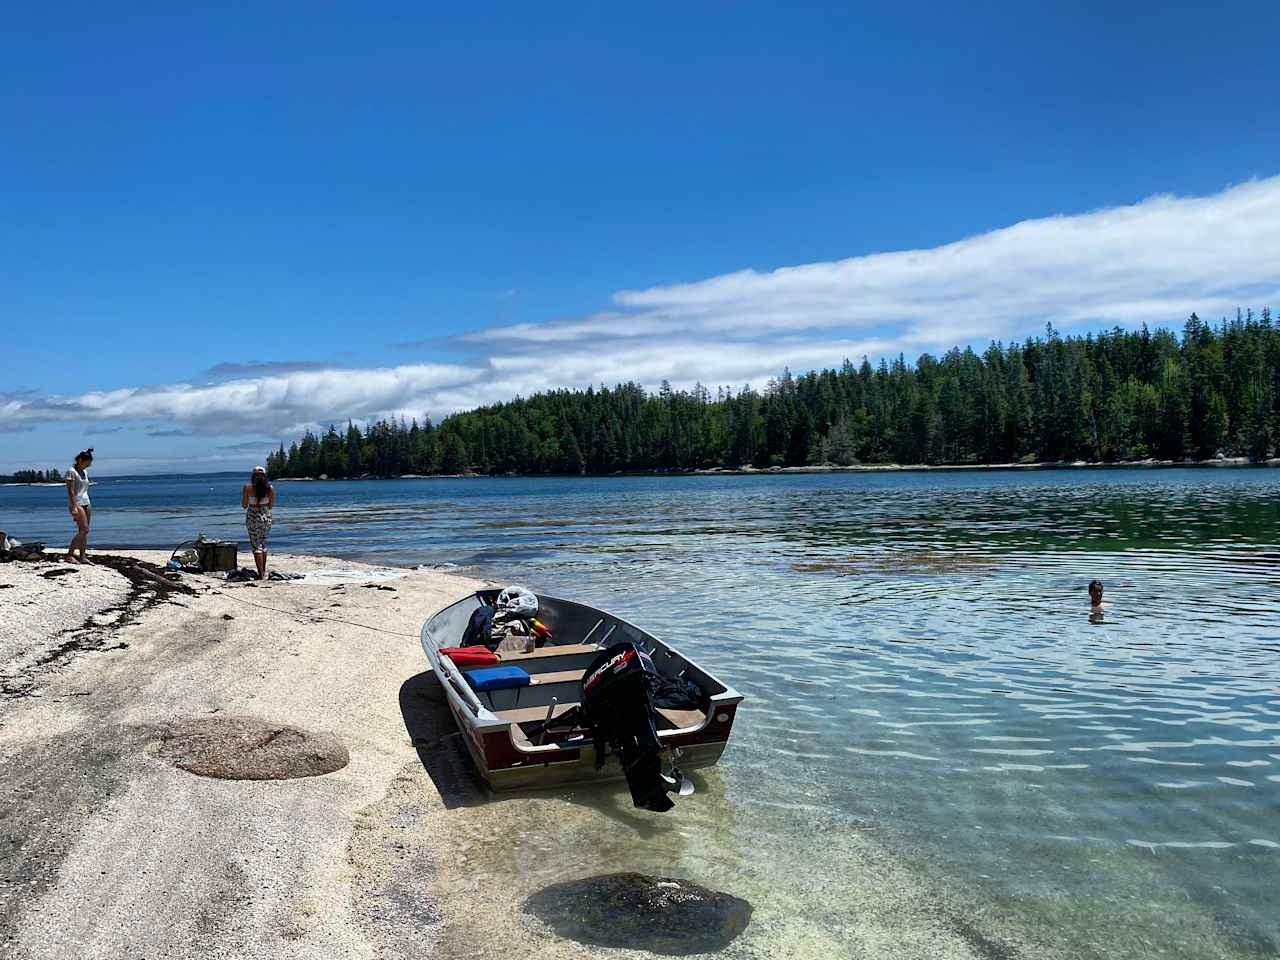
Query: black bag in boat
{"type": "Point", "coordinates": [615, 702]}
{"type": "Point", "coordinates": [480, 628]}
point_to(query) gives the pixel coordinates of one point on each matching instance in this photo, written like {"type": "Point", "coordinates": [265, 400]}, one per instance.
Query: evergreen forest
{"type": "Point", "coordinates": [1106, 397]}
{"type": "Point", "coordinates": [52, 475]}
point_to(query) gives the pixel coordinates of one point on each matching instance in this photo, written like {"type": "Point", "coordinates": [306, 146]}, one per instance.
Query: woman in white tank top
{"type": "Point", "coordinates": [78, 503]}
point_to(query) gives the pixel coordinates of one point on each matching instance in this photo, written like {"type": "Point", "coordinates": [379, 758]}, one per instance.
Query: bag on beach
{"type": "Point", "coordinates": [22, 551]}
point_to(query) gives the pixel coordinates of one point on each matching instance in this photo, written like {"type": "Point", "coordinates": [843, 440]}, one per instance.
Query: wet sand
{"type": "Point", "coordinates": [109, 850]}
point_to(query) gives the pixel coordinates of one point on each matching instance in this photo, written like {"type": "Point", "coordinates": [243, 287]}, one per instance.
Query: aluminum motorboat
{"type": "Point", "coordinates": [535, 734]}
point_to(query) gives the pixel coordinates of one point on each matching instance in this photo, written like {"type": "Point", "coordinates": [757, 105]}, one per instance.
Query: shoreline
{"type": "Point", "coordinates": [971, 467]}
{"type": "Point", "coordinates": [747, 471]}
{"type": "Point", "coordinates": [1046, 465]}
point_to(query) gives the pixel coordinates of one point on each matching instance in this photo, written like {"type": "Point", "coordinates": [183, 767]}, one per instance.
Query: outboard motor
{"type": "Point", "coordinates": [615, 702]}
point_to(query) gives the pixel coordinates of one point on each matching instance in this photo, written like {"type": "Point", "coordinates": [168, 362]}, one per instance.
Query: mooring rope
{"type": "Point", "coordinates": [315, 616]}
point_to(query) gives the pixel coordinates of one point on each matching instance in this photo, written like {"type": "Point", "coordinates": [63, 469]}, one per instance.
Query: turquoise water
{"type": "Point", "coordinates": [919, 660]}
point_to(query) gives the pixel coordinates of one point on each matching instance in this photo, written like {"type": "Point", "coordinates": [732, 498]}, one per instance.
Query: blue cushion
{"type": "Point", "coordinates": [497, 678]}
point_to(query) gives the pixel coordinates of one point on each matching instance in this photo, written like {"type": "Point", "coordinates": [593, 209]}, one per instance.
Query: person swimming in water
{"type": "Point", "coordinates": [1095, 594]}
{"type": "Point", "coordinates": [1095, 601]}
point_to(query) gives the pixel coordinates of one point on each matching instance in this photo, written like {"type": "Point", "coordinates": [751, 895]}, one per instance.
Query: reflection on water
{"type": "Point", "coordinates": [922, 667]}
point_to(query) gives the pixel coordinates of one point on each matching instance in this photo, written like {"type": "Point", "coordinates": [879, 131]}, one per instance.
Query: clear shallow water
{"type": "Point", "coordinates": [919, 659]}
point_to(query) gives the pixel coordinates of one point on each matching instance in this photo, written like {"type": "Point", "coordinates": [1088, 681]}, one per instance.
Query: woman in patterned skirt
{"type": "Point", "coordinates": [258, 498]}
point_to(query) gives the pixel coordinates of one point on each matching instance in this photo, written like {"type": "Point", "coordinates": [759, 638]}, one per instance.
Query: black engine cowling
{"type": "Point", "coordinates": [616, 705]}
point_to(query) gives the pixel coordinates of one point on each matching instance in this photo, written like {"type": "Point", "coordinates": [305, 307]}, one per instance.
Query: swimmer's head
{"type": "Point", "coordinates": [1095, 592]}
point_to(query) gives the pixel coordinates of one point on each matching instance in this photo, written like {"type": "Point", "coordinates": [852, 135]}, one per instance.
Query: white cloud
{"type": "Point", "coordinates": [683, 361]}
{"type": "Point", "coordinates": [282, 402]}
{"type": "Point", "coordinates": [1155, 261]}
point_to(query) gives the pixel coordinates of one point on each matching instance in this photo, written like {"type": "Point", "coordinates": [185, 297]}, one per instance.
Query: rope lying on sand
{"type": "Point", "coordinates": [316, 616]}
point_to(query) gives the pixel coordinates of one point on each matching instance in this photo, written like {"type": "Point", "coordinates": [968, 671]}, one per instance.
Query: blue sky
{"type": "Point", "coordinates": [218, 227]}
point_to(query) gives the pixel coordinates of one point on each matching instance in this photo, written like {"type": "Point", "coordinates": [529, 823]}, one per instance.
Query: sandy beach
{"type": "Point", "coordinates": [109, 849]}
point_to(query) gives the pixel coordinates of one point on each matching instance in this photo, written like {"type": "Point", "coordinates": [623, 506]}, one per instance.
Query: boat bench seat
{"type": "Point", "coordinates": [564, 685]}
{"type": "Point", "coordinates": [520, 739]}
{"type": "Point", "coordinates": [679, 719]}
{"type": "Point", "coordinates": [562, 676]}
{"type": "Point", "coordinates": [526, 714]}
{"type": "Point", "coordinates": [553, 650]}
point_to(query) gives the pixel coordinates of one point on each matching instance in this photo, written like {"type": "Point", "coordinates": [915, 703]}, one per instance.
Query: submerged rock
{"type": "Point", "coordinates": [246, 748]}
{"type": "Point", "coordinates": [631, 910]}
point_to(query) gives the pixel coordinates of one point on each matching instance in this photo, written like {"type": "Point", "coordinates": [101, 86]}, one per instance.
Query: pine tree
{"type": "Point", "coordinates": [454, 458]}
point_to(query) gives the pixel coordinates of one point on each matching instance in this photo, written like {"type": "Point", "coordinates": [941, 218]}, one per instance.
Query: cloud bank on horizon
{"type": "Point", "coordinates": [1155, 261]}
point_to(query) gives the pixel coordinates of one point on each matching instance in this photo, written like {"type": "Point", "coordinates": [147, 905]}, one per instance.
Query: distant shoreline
{"type": "Point", "coordinates": [825, 468]}
{"type": "Point", "coordinates": [1037, 465]}
{"type": "Point", "coordinates": [758, 471]}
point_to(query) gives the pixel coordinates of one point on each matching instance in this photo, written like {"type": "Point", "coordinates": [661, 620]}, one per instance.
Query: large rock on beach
{"type": "Point", "coordinates": [248, 748]}
{"type": "Point", "coordinates": [635, 911]}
